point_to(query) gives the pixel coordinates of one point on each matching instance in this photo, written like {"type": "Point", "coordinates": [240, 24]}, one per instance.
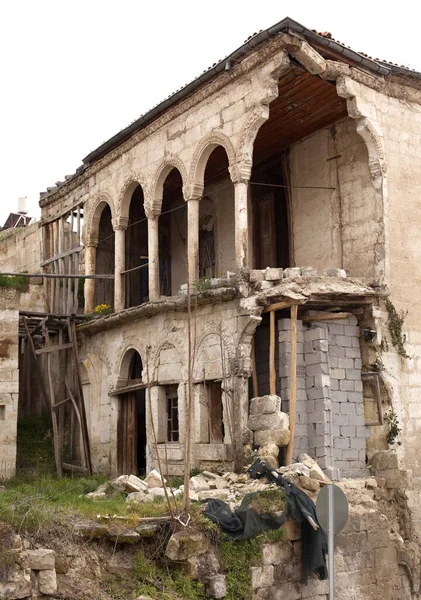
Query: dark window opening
{"type": "Point", "coordinates": [270, 215]}
{"type": "Point", "coordinates": [172, 413]}
{"type": "Point", "coordinates": [216, 423]}
{"type": "Point", "coordinates": [105, 263]}
{"type": "Point", "coordinates": [136, 282]}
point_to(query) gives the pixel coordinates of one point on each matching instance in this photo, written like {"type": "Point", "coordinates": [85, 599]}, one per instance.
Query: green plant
{"type": "Point", "coordinates": [394, 430]}
{"type": "Point", "coordinates": [395, 323]}
{"type": "Point", "coordinates": [269, 502]}
{"type": "Point", "coordinates": [237, 558]}
{"type": "Point", "coordinates": [203, 284]}
{"type": "Point", "coordinates": [20, 282]}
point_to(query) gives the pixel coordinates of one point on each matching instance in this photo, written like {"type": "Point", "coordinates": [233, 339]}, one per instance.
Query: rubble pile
{"type": "Point", "coordinates": [230, 487]}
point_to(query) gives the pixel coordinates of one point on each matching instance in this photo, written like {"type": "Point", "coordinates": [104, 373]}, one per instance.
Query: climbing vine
{"type": "Point", "coordinates": [395, 322]}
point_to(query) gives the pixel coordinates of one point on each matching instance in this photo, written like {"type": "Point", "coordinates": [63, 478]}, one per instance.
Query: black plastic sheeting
{"type": "Point", "coordinates": [245, 522]}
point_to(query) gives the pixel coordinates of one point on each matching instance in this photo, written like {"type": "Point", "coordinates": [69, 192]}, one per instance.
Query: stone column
{"type": "Point", "coordinates": [90, 265]}
{"type": "Point", "coordinates": [193, 239]}
{"type": "Point", "coordinates": [153, 257]}
{"type": "Point", "coordinates": [240, 176]}
{"type": "Point", "coordinates": [120, 261]}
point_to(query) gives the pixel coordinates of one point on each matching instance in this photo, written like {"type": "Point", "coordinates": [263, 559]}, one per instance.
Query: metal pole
{"type": "Point", "coordinates": [331, 541]}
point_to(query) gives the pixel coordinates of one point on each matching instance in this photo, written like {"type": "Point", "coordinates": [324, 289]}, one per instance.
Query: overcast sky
{"type": "Point", "coordinates": [73, 73]}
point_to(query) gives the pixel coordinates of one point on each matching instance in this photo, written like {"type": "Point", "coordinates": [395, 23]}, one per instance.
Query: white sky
{"type": "Point", "coordinates": [75, 72]}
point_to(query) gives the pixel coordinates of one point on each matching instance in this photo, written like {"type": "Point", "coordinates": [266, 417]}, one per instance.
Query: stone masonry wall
{"type": "Point", "coordinates": [330, 410]}
{"type": "Point", "coordinates": [9, 386]}
{"type": "Point", "coordinates": [372, 560]}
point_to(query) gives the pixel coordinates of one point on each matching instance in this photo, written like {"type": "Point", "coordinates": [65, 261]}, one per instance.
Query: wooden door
{"type": "Point", "coordinates": [127, 435]}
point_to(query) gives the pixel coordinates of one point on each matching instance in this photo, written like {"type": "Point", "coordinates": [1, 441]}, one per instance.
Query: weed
{"type": "Point", "coordinates": [20, 282]}
{"type": "Point", "coordinates": [394, 430]}
{"type": "Point", "coordinates": [203, 284]}
{"type": "Point", "coordinates": [237, 558]}
{"type": "Point", "coordinates": [269, 502]}
{"type": "Point", "coordinates": [395, 322]}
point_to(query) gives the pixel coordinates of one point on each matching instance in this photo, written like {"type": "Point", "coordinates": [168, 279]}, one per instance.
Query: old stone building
{"type": "Point", "coordinates": [281, 186]}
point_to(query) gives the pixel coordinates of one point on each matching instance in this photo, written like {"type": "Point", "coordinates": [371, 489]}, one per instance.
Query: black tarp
{"type": "Point", "coordinates": [245, 522]}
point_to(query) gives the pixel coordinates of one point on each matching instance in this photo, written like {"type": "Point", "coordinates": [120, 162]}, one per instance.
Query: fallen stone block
{"type": "Point", "coordinates": [262, 422]}
{"type": "Point", "coordinates": [292, 272]}
{"type": "Point", "coordinates": [199, 483]}
{"type": "Point", "coordinates": [273, 274]}
{"type": "Point", "coordinates": [268, 450]}
{"type": "Point", "coordinates": [308, 271]}
{"type": "Point", "coordinates": [216, 586]}
{"type": "Point", "coordinates": [385, 459]}
{"type": "Point", "coordinates": [280, 437]}
{"type": "Point", "coordinates": [153, 479]}
{"type": "Point", "coordinates": [183, 545]}
{"type": "Point", "coordinates": [38, 560]}
{"type": "Point", "coordinates": [257, 275]}
{"type": "Point", "coordinates": [262, 576]}
{"type": "Point", "coordinates": [265, 404]}
{"type": "Point", "coordinates": [139, 497]}
{"type": "Point", "coordinates": [134, 484]}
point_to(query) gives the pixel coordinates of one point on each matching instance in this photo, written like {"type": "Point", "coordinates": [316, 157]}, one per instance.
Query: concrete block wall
{"type": "Point", "coordinates": [330, 409]}
{"type": "Point", "coordinates": [9, 389]}
{"type": "Point", "coordinates": [349, 431]}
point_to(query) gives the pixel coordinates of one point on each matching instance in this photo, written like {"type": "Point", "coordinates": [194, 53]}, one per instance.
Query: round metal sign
{"type": "Point", "coordinates": [339, 508]}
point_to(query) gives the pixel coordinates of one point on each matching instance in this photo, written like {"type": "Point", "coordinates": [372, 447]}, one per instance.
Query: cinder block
{"type": "Point", "coordinates": [316, 358]}
{"type": "Point", "coordinates": [352, 330]}
{"type": "Point", "coordinates": [319, 392]}
{"type": "Point", "coordinates": [339, 396]}
{"type": "Point", "coordinates": [314, 334]}
{"type": "Point", "coordinates": [312, 370]}
{"type": "Point", "coordinates": [320, 345]}
{"type": "Point", "coordinates": [337, 351]}
{"type": "Point", "coordinates": [346, 386]}
{"type": "Point", "coordinates": [353, 374]}
{"type": "Point", "coordinates": [335, 329]}
{"type": "Point", "coordinates": [344, 341]}
{"type": "Point", "coordinates": [337, 373]}
{"type": "Point", "coordinates": [348, 409]}
{"type": "Point", "coordinates": [347, 430]}
{"type": "Point", "coordinates": [346, 363]}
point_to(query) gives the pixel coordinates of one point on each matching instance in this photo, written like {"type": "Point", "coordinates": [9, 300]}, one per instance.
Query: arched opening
{"type": "Point", "coordinates": [105, 263]}
{"type": "Point", "coordinates": [131, 426]}
{"type": "Point", "coordinates": [172, 236]}
{"type": "Point", "coordinates": [136, 252]}
{"type": "Point", "coordinates": [216, 218]}
{"type": "Point", "coordinates": [295, 218]}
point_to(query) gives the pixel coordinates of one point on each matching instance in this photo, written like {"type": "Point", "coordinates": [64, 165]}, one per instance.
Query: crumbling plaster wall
{"type": "Point", "coordinates": [9, 380]}
{"type": "Point", "coordinates": [163, 338]}
{"type": "Point", "coordinates": [401, 127]}
{"type": "Point", "coordinates": [333, 157]}
{"type": "Point", "coordinates": [20, 249]}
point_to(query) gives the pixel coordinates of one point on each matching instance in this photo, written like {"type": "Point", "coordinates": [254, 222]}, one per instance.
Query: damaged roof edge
{"type": "Point", "coordinates": [286, 24]}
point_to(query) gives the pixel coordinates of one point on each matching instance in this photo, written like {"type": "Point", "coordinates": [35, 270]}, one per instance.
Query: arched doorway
{"type": "Point", "coordinates": [131, 426]}
{"type": "Point", "coordinates": [136, 281]}
{"type": "Point", "coordinates": [216, 218]}
{"type": "Point", "coordinates": [105, 263]}
{"type": "Point", "coordinates": [172, 236]}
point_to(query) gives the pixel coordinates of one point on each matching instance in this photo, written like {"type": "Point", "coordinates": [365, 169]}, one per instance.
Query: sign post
{"type": "Point", "coordinates": [332, 514]}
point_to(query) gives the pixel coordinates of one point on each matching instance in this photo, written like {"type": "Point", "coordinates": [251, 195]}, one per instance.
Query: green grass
{"type": "Point", "coordinates": [237, 558]}
{"type": "Point", "coordinates": [19, 282]}
{"type": "Point", "coordinates": [35, 452]}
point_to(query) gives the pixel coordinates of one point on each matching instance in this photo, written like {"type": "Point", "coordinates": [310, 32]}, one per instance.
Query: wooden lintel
{"type": "Point", "coordinates": [326, 316]}
{"type": "Point", "coordinates": [53, 348]}
{"type": "Point", "coordinates": [128, 388]}
{"type": "Point", "coordinates": [280, 305]}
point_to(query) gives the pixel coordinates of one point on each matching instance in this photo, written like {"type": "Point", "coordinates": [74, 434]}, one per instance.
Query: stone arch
{"type": "Point", "coordinates": [173, 356]}
{"type": "Point", "coordinates": [93, 216]}
{"type": "Point", "coordinates": [130, 184]}
{"type": "Point", "coordinates": [255, 120]}
{"type": "Point", "coordinates": [201, 155]}
{"type": "Point", "coordinates": [213, 351]}
{"type": "Point", "coordinates": [125, 360]}
{"type": "Point", "coordinates": [172, 162]}
{"type": "Point", "coordinates": [243, 349]}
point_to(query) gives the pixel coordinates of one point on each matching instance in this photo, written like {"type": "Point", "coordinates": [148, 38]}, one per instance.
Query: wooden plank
{"type": "Point", "coordinates": [292, 384]}
{"type": "Point", "coordinates": [84, 425]}
{"type": "Point", "coordinates": [73, 468]}
{"type": "Point", "coordinates": [61, 255]}
{"type": "Point", "coordinates": [58, 405]}
{"type": "Point", "coordinates": [53, 415]}
{"type": "Point", "coordinates": [254, 369]}
{"type": "Point", "coordinates": [48, 349]}
{"type": "Point", "coordinates": [326, 316]}
{"type": "Point", "coordinates": [37, 368]}
{"type": "Point", "coordinates": [128, 388]}
{"type": "Point", "coordinates": [272, 368]}
{"type": "Point", "coordinates": [280, 305]}
{"type": "Point", "coordinates": [61, 275]}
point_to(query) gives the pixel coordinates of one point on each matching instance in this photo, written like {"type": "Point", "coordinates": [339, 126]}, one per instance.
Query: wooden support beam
{"type": "Point", "coordinates": [53, 415]}
{"type": "Point", "coordinates": [37, 368]}
{"type": "Point", "coordinates": [44, 263]}
{"type": "Point", "coordinates": [272, 368]}
{"type": "Point", "coordinates": [61, 275]}
{"type": "Point", "coordinates": [280, 305]}
{"type": "Point", "coordinates": [292, 383]}
{"type": "Point", "coordinates": [58, 405]}
{"type": "Point", "coordinates": [326, 316]}
{"type": "Point", "coordinates": [47, 349]}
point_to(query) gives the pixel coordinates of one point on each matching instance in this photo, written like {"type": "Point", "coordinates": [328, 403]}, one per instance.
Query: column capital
{"type": "Point", "coordinates": [193, 191]}
{"type": "Point", "coordinates": [91, 242]}
{"type": "Point", "coordinates": [120, 223]}
{"type": "Point", "coordinates": [241, 172]}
